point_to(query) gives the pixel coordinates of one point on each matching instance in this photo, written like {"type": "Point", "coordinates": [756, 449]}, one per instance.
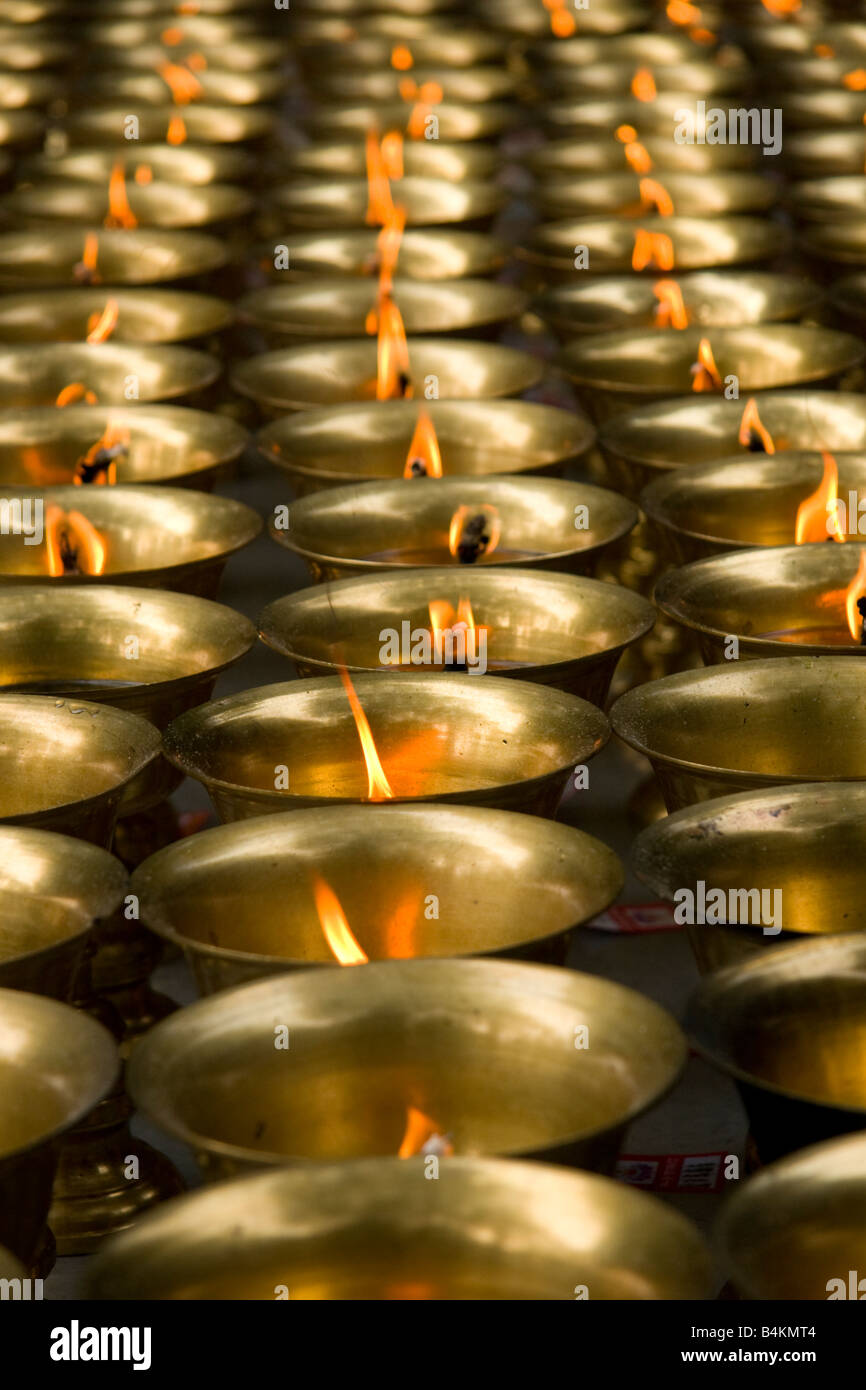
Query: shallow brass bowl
{"type": "Point", "coordinates": [812, 110]}
{"type": "Point", "coordinates": [217, 88]}
{"type": "Point", "coordinates": [571, 157]}
{"type": "Point", "coordinates": [23, 127]}
{"type": "Point", "coordinates": [611, 77]}
{"type": "Point", "coordinates": [426, 159]}
{"type": "Point", "coordinates": [51, 255]}
{"type": "Point", "coordinates": [408, 1033]}
{"type": "Point", "coordinates": [561, 630]}
{"type": "Point", "coordinates": [26, 49]}
{"type": "Point", "coordinates": [637, 50]}
{"type": "Point", "coordinates": [376, 1230]}
{"type": "Point", "coordinates": [477, 84]}
{"type": "Point", "coordinates": [167, 444]}
{"type": "Point", "coordinates": [207, 124]}
{"type": "Point", "coordinates": [783, 41]}
{"type": "Point", "coordinates": [710, 195]}
{"type": "Point", "coordinates": [809, 72]}
{"type": "Point", "coordinates": [187, 163]}
{"type": "Point", "coordinates": [425, 254]}
{"type": "Point", "coordinates": [533, 21]}
{"type": "Point", "coordinates": [787, 1026]}
{"type": "Point", "coordinates": [241, 906]}
{"type": "Point", "coordinates": [698, 243]}
{"type": "Point", "coordinates": [839, 243]}
{"type": "Point", "coordinates": [144, 315]}
{"type": "Point", "coordinates": [357, 443]}
{"type": "Point", "coordinates": [23, 89]}
{"type": "Point", "coordinates": [169, 205]}
{"type": "Point", "coordinates": [134, 32]}
{"type": "Point", "coordinates": [747, 725]}
{"type": "Point", "coordinates": [335, 373]}
{"type": "Point", "coordinates": [343, 202]}
{"type": "Point", "coordinates": [336, 307]}
{"type": "Point", "coordinates": [602, 115]}
{"type": "Point", "coordinates": [446, 48]}
{"type": "Point", "coordinates": [829, 199]}
{"type": "Point", "coordinates": [243, 54]}
{"type": "Point", "coordinates": [477, 740]}
{"type": "Point", "coordinates": [820, 153]}
{"type": "Point", "coordinates": [166, 538]}
{"type": "Point", "coordinates": [56, 1063]}
{"type": "Point", "coordinates": [457, 121]}
{"type": "Point", "coordinates": [36, 373]}
{"type": "Point", "coordinates": [383, 526]}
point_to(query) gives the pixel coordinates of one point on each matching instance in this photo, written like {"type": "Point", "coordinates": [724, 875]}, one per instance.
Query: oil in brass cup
{"type": "Point", "coordinates": [787, 1025]}
{"type": "Point", "coordinates": [823, 153]}
{"type": "Point", "coordinates": [217, 88]}
{"type": "Point", "coordinates": [205, 124]}
{"type": "Point", "coordinates": [425, 254]}
{"type": "Point", "coordinates": [340, 120]}
{"type": "Point", "coordinates": [144, 316]}
{"type": "Point", "coordinates": [769, 1228]}
{"type": "Point", "coordinates": [385, 526]}
{"type": "Point", "coordinates": [156, 204]}
{"type": "Point", "coordinates": [66, 764]}
{"type": "Point", "coordinates": [847, 303]}
{"type": "Point", "coordinates": [166, 538]}
{"type": "Point", "coordinates": [477, 740]}
{"type": "Point", "coordinates": [740, 727]}
{"type": "Point", "coordinates": [425, 159]}
{"type": "Point", "coordinates": [187, 163]}
{"type": "Point", "coordinates": [332, 307]}
{"type": "Point", "coordinates": [808, 72]}
{"type": "Point", "coordinates": [235, 902]}
{"type": "Point", "coordinates": [712, 299]}
{"type": "Point", "coordinates": [573, 157]}
{"type": "Point", "coordinates": [699, 511]}
{"type": "Point", "coordinates": [45, 447]}
{"type": "Point", "coordinates": [373, 1229]}
{"type": "Point", "coordinates": [403, 1034]}
{"type": "Point", "coordinates": [371, 441]}
{"type": "Point", "coordinates": [35, 374]}
{"type": "Point", "coordinates": [342, 202]}
{"type": "Point", "coordinates": [53, 255]}
{"type": "Point", "coordinates": [804, 842]}
{"type": "Point", "coordinates": [619, 193]}
{"type": "Point", "coordinates": [344, 372]}
{"type": "Point", "coordinates": [614, 372]}
{"type": "Point", "coordinates": [56, 1063]}
{"type": "Point", "coordinates": [558, 630]}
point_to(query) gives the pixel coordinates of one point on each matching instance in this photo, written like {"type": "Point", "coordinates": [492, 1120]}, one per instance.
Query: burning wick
{"type": "Point", "coordinates": [424, 459]}
{"type": "Point", "coordinates": [754, 435]}
{"type": "Point", "coordinates": [422, 1137]}
{"type": "Point", "coordinates": [341, 939]}
{"type": "Point", "coordinates": [84, 270]}
{"type": "Point", "coordinates": [73, 544]}
{"type": "Point", "coordinates": [473, 534]}
{"type": "Point", "coordinates": [378, 787]}
{"type": "Point", "coordinates": [90, 469]}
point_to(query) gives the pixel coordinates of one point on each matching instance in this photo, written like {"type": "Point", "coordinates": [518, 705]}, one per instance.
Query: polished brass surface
{"type": "Point", "coordinates": [533, 21]}
{"type": "Point", "coordinates": [24, 89]}
{"type": "Point", "coordinates": [637, 50]}
{"type": "Point", "coordinates": [170, 538]}
{"type": "Point", "coordinates": [425, 254]}
{"type": "Point", "coordinates": [24, 127]}
{"type": "Point", "coordinates": [144, 315]}
{"type": "Point", "coordinates": [386, 526]}
{"type": "Point", "coordinates": [357, 443]}
{"type": "Point", "coordinates": [609, 77]}
{"type": "Point", "coordinates": [839, 242]}
{"type": "Point", "coordinates": [35, 374]}
{"type": "Point", "coordinates": [480, 740]}
{"type": "Point", "coordinates": [376, 1230]}
{"type": "Point", "coordinates": [406, 1033]}
{"type": "Point", "coordinates": [187, 163]}
{"type": "Point", "coordinates": [243, 54]}
{"type": "Point", "coordinates": [167, 444]}
{"type": "Point", "coordinates": [205, 124]}
{"type": "Point", "coordinates": [580, 155]}
{"type": "Point", "coordinates": [447, 48]}
{"type": "Point", "coordinates": [335, 373]}
{"type": "Point", "coordinates": [736, 727]}
{"type": "Point", "coordinates": [428, 159]}
{"type": "Point", "coordinates": [814, 110]}
{"type": "Point", "coordinates": [841, 198]}
{"type": "Point", "coordinates": [698, 243]}
{"type": "Point", "coordinates": [328, 205]}
{"type": "Point", "coordinates": [238, 902]}
{"type": "Point", "coordinates": [217, 87]}
{"type": "Point", "coordinates": [52, 255]}
{"type": "Point", "coordinates": [338, 120]}
{"type": "Point", "coordinates": [772, 42]}
{"type": "Point", "coordinates": [469, 85]}
{"type": "Point", "coordinates": [619, 193]}
{"type": "Point", "coordinates": [821, 153]}
{"type": "Point", "coordinates": [26, 49]}
{"type": "Point", "coordinates": [601, 115]}
{"type": "Point", "coordinates": [156, 204]}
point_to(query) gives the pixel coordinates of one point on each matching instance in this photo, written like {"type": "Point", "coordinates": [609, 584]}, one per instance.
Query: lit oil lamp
{"type": "Point", "coordinates": [823, 153]}
{"type": "Point", "coordinates": [382, 526]}
{"type": "Point", "coordinates": [481, 740]}
{"type": "Point", "coordinates": [576, 156]}
{"type": "Point", "coordinates": [320, 205]}
{"type": "Point", "coordinates": [627, 194]}
{"type": "Point", "coordinates": [823, 71]}
{"type": "Point", "coordinates": [434, 254]}
{"type": "Point", "coordinates": [200, 123]}
{"type": "Point", "coordinates": [839, 198]}
{"type": "Point", "coordinates": [814, 110]}
{"type": "Point", "coordinates": [485, 120]}
{"type": "Point", "coordinates": [245, 53]}
{"type": "Point", "coordinates": [59, 255]}
{"type": "Point", "coordinates": [102, 374]}
{"type": "Point", "coordinates": [404, 1036]}
{"type": "Point", "coordinates": [602, 115]}
{"type": "Point", "coordinates": [150, 204]}
{"type": "Point", "coordinates": [535, 884]}
{"type": "Point", "coordinates": [557, 20]}
{"type": "Point", "coordinates": [209, 85]}
{"type": "Point", "coordinates": [446, 47]}
{"type": "Point", "coordinates": [93, 314]}
{"type": "Point", "coordinates": [187, 163]}
{"type": "Point", "coordinates": [427, 159]}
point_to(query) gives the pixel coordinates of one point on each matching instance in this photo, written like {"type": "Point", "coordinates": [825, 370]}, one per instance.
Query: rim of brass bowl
{"type": "Point", "coordinates": [707, 195]}
{"type": "Point", "coordinates": [841, 242]}
{"type": "Point", "coordinates": [354, 443]}
{"type": "Point", "coordinates": [819, 153]}
{"type": "Point", "coordinates": [50, 255]}
{"type": "Point", "coordinates": [354, 530]}
{"type": "Point", "coordinates": [502, 721]}
{"type": "Point", "coordinates": [602, 115]}
{"type": "Point", "coordinates": [66, 762]}
{"type": "Point", "coordinates": [609, 77]}
{"type": "Point", "coordinates": [245, 54]}
{"type": "Point", "coordinates": [812, 110]}
{"type": "Point", "coordinates": [167, 443]}
{"type": "Point", "coordinates": [322, 374]}
{"type": "Point", "coordinates": [457, 120]}
{"type": "Point", "coordinates": [339, 305]}
{"type": "Point", "coordinates": [447, 48]}
{"type": "Point", "coordinates": [21, 127]}
{"type": "Point", "coordinates": [160, 205]}
{"type": "Point", "coordinates": [430, 159]}
{"type": "Point", "coordinates": [205, 123]}
{"type": "Point", "coordinates": [145, 316]}
{"type": "Point", "coordinates": [184, 164]}
{"type": "Point", "coordinates": [425, 254]}
{"type": "Point", "coordinates": [240, 898]}
{"type": "Point", "coordinates": [703, 507]}
{"type": "Point", "coordinates": [477, 84]}
{"type": "Point", "coordinates": [514, 17]}
{"type": "Point", "coordinates": [35, 373]}
{"type": "Point", "coordinates": [24, 89]}
{"type": "Point", "coordinates": [773, 41]}
{"type": "Point", "coordinates": [699, 243]}
{"type": "Point", "coordinates": [807, 72]}
{"type": "Point", "coordinates": [131, 31]}
{"type": "Point", "coordinates": [166, 538]}
{"type": "Point", "coordinates": [648, 50]}
{"type": "Point", "coordinates": [342, 202]}
{"type": "Point", "coordinates": [752, 723]}
{"type": "Point", "coordinates": [840, 197]}
{"type": "Point", "coordinates": [641, 1247]}
{"type": "Point", "coordinates": [768, 1229]}
{"type": "Point", "coordinates": [216, 86]}
{"type": "Point", "coordinates": [713, 299]}
{"type": "Point", "coordinates": [422, 1013]}
{"type": "Point", "coordinates": [560, 629]}
{"type": "Point", "coordinates": [571, 156]}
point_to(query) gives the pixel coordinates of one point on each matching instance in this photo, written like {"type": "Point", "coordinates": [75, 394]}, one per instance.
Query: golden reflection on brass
{"type": "Point", "coordinates": [144, 316]}
{"type": "Point", "coordinates": [156, 204]}
{"type": "Point", "coordinates": [53, 255]}
{"type": "Point", "coordinates": [328, 205]}
{"type": "Point", "coordinates": [35, 374]}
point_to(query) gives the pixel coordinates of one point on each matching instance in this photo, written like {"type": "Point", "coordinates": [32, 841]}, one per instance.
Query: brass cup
{"type": "Point", "coordinates": [572, 156]}
{"type": "Point", "coordinates": [476, 740]}
{"type": "Point", "coordinates": [448, 48]}
{"type": "Point", "coordinates": [815, 110]}
{"type": "Point", "coordinates": [786, 1026]}
{"type": "Point", "coordinates": [321, 205]}
{"type": "Point", "coordinates": [187, 163]}
{"type": "Point", "coordinates": [619, 194]}
{"type": "Point", "coordinates": [205, 123]}
{"type": "Point", "coordinates": [33, 47]}
{"type": "Point", "coordinates": [818, 154]}
{"type": "Point", "coordinates": [612, 77]}
{"type": "Point", "coordinates": [133, 32]}
{"type": "Point", "coordinates": [636, 50]}
{"type": "Point", "coordinates": [343, 372]}
{"type": "Point", "coordinates": [339, 120]}
{"type": "Point", "coordinates": [769, 1230]}
{"type": "Point", "coordinates": [35, 374]}
{"type": "Point", "coordinates": [422, 159]}
{"type": "Point", "coordinates": [737, 727]}
{"type": "Point", "coordinates": [56, 1063]}
{"type": "Point", "coordinates": [67, 764]}
{"type": "Point", "coordinates": [533, 22]}
{"type": "Point", "coordinates": [371, 441]}
{"type": "Point", "coordinates": [804, 841]}
{"type": "Point", "coordinates": [52, 255]}
{"type": "Point", "coordinates": [243, 53]}
{"type": "Point", "coordinates": [614, 372]}
{"type": "Point", "coordinates": [425, 254]}
{"type": "Point", "coordinates": [839, 243]}
{"type": "Point", "coordinates": [373, 1229]}
{"type": "Point", "coordinates": [167, 444]}
{"type": "Point", "coordinates": [145, 316]}
{"type": "Point", "coordinates": [338, 307]}
{"type": "Point", "coordinates": [235, 901]}
{"type": "Point", "coordinates": [847, 301]}
{"type": "Point", "coordinates": [156, 204]}
{"type": "Point", "coordinates": [558, 630]}
{"type": "Point", "coordinates": [713, 299]}
{"type": "Point", "coordinates": [836, 199]}
{"type": "Point", "coordinates": [142, 651]}
{"type": "Point", "coordinates": [400, 1034]}
{"type": "Point", "coordinates": [165, 538]}
{"type": "Point", "coordinates": [385, 526]}
{"type": "Point", "coordinates": [219, 88]}
{"type": "Point", "coordinates": [463, 86]}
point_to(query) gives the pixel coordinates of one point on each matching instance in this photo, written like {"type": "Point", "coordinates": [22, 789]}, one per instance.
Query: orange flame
{"type": "Point", "coordinates": [72, 543]}
{"type": "Point", "coordinates": [817, 516]}
{"type": "Point", "coordinates": [781, 8]}
{"type": "Point", "coordinates": [463, 514]}
{"type": "Point", "coordinates": [643, 85]}
{"type": "Point", "coordinates": [176, 133]}
{"type": "Point", "coordinates": [171, 37]}
{"type": "Point", "coordinates": [120, 214]}
{"type": "Point", "coordinates": [338, 934]}
{"type": "Point", "coordinates": [682, 13]}
{"type": "Point", "coordinates": [143, 174]}
{"type": "Point", "coordinates": [855, 81]}
{"type": "Point", "coordinates": [424, 98]}
{"type": "Point", "coordinates": [752, 431]}
{"type": "Point", "coordinates": [85, 272]}
{"type": "Point", "coordinates": [652, 248]}
{"type": "Point", "coordinates": [196, 62]}
{"type": "Point", "coordinates": [671, 311]}
{"type": "Point", "coordinates": [562, 22]}
{"type": "Point", "coordinates": [101, 326]}
{"type": "Point", "coordinates": [380, 203]}
{"type": "Point", "coordinates": [424, 459]}
{"type": "Point", "coordinates": [636, 154]}
{"type": "Point", "coordinates": [401, 58]}
{"type": "Point", "coordinates": [393, 382]}
{"type": "Point", "coordinates": [705, 373]}
{"type": "Point", "coordinates": [420, 1131]}
{"type": "Point", "coordinates": [98, 466]}
{"type": "Point", "coordinates": [856, 590]}
{"type": "Point", "coordinates": [378, 788]}
{"type": "Point", "coordinates": [183, 84]}
{"type": "Point", "coordinates": [824, 50]}
{"type": "Point", "coordinates": [74, 392]}
{"type": "Point", "coordinates": [654, 195]}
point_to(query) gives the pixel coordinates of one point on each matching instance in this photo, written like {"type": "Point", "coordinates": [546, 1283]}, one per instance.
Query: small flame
{"type": "Point", "coordinates": [74, 392]}
{"type": "Point", "coordinates": [636, 154]}
{"type": "Point", "coordinates": [824, 50]}
{"type": "Point", "coordinates": [562, 22]}
{"type": "Point", "coordinates": [654, 195]}
{"type": "Point", "coordinates": [120, 214]}
{"type": "Point", "coordinates": [393, 382]}
{"type": "Point", "coordinates": [143, 174]}
{"type": "Point", "coordinates": [196, 62]}
{"type": "Point", "coordinates": [338, 934]}
{"type": "Point", "coordinates": [85, 271]}
{"type": "Point", "coordinates": [392, 154]}
{"type": "Point", "coordinates": [380, 203]}
{"type": "Point", "coordinates": [855, 80]}
{"type": "Point", "coordinates": [171, 37]}
{"type": "Point", "coordinates": [99, 465]}
{"type": "Point", "coordinates": [818, 516]}
{"type": "Point", "coordinates": [424, 459]}
{"type": "Point", "coordinates": [401, 58]}
{"type": "Point", "coordinates": [479, 539]}
{"type": "Point", "coordinates": [424, 98]}
{"type": "Point", "coordinates": [855, 591]}
{"type": "Point", "coordinates": [378, 788]}
{"type": "Point", "coordinates": [423, 1136]}
{"type": "Point", "coordinates": [652, 248]}
{"type": "Point", "coordinates": [643, 85]}
{"type": "Point", "coordinates": [705, 373]}
{"type": "Point", "coordinates": [72, 543]}
{"type": "Point", "coordinates": [445, 618]}
{"type": "Point", "coordinates": [101, 326]}
{"type": "Point", "coordinates": [671, 311]}
{"type": "Point", "coordinates": [753, 434]}
{"type": "Point", "coordinates": [176, 133]}
{"type": "Point", "coordinates": [682, 13]}
{"type": "Point", "coordinates": [781, 8]}
{"type": "Point", "coordinates": [183, 84]}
